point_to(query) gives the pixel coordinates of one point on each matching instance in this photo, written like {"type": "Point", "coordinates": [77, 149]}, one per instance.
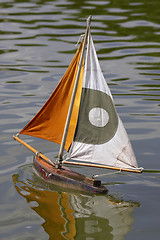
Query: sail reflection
{"type": "Point", "coordinates": [73, 215]}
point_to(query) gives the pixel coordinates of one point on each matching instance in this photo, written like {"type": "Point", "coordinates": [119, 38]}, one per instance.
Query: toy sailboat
{"type": "Point", "coordinates": [80, 116]}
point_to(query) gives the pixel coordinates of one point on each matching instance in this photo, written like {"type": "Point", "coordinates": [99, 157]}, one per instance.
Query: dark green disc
{"type": "Point", "coordinates": [87, 131]}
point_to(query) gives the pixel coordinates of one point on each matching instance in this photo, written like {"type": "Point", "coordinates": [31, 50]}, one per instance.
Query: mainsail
{"type": "Point", "coordinates": [100, 136]}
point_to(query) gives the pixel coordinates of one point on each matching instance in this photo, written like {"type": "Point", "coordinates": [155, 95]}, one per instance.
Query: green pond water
{"type": "Point", "coordinates": [37, 43]}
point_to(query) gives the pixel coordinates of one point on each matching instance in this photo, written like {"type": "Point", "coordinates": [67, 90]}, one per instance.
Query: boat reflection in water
{"type": "Point", "coordinates": [73, 215]}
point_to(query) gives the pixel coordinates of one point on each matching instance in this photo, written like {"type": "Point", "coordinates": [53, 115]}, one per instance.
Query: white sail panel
{"type": "Point", "coordinates": [100, 135]}
{"type": "Point", "coordinates": [93, 76]}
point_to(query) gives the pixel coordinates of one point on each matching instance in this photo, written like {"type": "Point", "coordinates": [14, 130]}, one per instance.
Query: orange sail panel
{"type": "Point", "coordinates": [49, 122]}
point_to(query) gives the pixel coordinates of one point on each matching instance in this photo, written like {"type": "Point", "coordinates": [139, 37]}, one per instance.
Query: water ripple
{"type": "Point", "coordinates": [37, 42]}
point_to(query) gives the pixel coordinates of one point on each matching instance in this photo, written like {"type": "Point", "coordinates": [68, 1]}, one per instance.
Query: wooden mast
{"type": "Point", "coordinates": [61, 151]}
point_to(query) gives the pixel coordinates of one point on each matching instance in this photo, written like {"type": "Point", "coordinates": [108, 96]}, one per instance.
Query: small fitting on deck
{"type": "Point", "coordinates": [59, 163]}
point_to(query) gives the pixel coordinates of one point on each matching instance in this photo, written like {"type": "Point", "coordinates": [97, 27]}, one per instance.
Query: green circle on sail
{"type": "Point", "coordinates": [102, 129]}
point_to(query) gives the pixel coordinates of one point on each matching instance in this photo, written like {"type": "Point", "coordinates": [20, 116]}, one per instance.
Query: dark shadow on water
{"type": "Point", "coordinates": [71, 214]}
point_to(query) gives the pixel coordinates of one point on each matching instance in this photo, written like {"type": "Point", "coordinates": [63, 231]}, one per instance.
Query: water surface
{"type": "Point", "coordinates": [37, 43]}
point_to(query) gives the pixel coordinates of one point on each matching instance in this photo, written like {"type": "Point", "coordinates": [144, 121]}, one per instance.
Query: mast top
{"type": "Point", "coordinates": [89, 20]}
{"type": "Point", "coordinates": [60, 155]}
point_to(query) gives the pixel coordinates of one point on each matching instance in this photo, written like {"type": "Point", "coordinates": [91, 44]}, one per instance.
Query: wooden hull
{"type": "Point", "coordinates": [66, 178]}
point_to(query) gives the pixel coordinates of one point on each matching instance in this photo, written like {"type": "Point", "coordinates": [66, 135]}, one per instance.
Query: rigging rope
{"type": "Point", "coordinates": [105, 174]}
